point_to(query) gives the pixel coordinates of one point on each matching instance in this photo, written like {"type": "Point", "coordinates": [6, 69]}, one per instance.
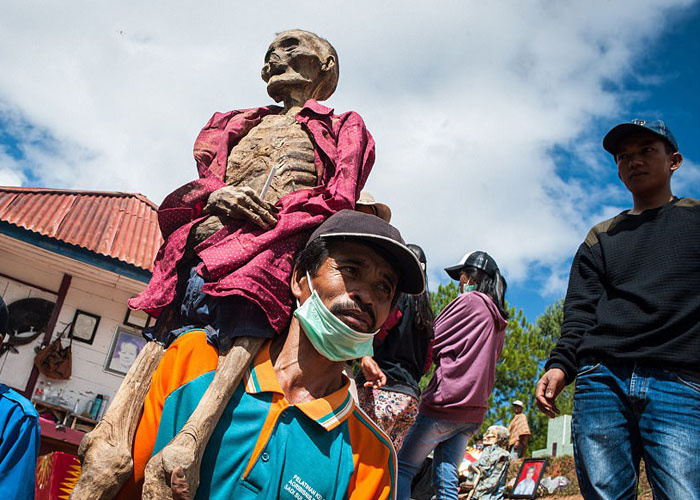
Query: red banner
{"type": "Point", "coordinates": [56, 475]}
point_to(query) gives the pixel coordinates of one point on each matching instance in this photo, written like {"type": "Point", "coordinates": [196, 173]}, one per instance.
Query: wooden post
{"type": "Point", "coordinates": [50, 327]}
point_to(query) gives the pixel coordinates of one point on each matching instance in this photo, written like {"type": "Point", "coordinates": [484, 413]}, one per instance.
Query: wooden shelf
{"type": "Point", "coordinates": [65, 416]}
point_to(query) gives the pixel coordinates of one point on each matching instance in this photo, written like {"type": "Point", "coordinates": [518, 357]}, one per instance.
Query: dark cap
{"type": "Point", "coordinates": [658, 127]}
{"type": "Point", "coordinates": [378, 233]}
{"type": "Point", "coordinates": [478, 260]}
{"type": "Point", "coordinates": [419, 253]}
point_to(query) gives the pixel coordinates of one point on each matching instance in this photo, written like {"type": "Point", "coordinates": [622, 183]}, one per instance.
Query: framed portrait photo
{"type": "Point", "coordinates": [84, 326]}
{"type": "Point", "coordinates": [137, 319]}
{"type": "Point", "coordinates": [126, 346]}
{"type": "Point", "coordinates": [528, 478]}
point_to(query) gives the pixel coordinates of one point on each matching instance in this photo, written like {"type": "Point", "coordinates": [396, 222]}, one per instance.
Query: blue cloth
{"type": "Point", "coordinates": [265, 447]}
{"type": "Point", "coordinates": [625, 411]}
{"type": "Point", "coordinates": [448, 441]}
{"type": "Point", "coordinates": [223, 318]}
{"type": "Point", "coordinates": [19, 445]}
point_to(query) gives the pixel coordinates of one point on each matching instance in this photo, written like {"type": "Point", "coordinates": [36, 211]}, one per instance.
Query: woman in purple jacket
{"type": "Point", "coordinates": [469, 336]}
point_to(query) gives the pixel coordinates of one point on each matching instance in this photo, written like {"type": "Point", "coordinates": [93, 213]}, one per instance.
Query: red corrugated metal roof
{"type": "Point", "coordinates": [119, 225]}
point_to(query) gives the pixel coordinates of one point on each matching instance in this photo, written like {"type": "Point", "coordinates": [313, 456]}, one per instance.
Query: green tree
{"type": "Point", "coordinates": [444, 295]}
{"type": "Point", "coordinates": [549, 329]}
{"type": "Point", "coordinates": [516, 372]}
{"type": "Point", "coordinates": [438, 300]}
{"type": "Point", "coordinates": [525, 351]}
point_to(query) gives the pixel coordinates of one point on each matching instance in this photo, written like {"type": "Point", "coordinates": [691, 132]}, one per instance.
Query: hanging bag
{"type": "Point", "coordinates": [54, 360]}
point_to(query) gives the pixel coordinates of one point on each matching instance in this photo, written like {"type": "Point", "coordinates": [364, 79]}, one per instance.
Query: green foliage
{"type": "Point", "coordinates": [526, 348]}
{"type": "Point", "coordinates": [549, 326]}
{"type": "Point", "coordinates": [438, 300]}
{"type": "Point", "coordinates": [444, 295]}
{"type": "Point", "coordinates": [516, 372]}
{"type": "Point", "coordinates": [423, 382]}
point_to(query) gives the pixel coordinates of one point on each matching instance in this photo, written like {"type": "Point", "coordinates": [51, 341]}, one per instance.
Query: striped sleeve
{"type": "Point", "coordinates": [374, 457]}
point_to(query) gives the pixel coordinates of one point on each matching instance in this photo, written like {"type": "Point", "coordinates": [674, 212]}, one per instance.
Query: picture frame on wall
{"type": "Point", "coordinates": [84, 326]}
{"type": "Point", "coordinates": [137, 319]}
{"type": "Point", "coordinates": [528, 478]}
{"type": "Point", "coordinates": [126, 346]}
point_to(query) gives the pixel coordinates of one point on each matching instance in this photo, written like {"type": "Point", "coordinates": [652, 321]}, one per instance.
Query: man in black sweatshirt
{"type": "Point", "coordinates": [631, 331]}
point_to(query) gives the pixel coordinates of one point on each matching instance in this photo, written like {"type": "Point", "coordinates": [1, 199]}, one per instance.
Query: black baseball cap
{"type": "Point", "coordinates": [617, 133]}
{"type": "Point", "coordinates": [379, 233]}
{"type": "Point", "coordinates": [477, 259]}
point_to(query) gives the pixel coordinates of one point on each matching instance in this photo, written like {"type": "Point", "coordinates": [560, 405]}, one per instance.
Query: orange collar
{"type": "Point", "coordinates": [328, 411]}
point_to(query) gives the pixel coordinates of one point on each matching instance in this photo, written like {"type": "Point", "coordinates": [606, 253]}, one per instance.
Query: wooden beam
{"type": "Point", "coordinates": [62, 292]}
{"type": "Point", "coordinates": [41, 288]}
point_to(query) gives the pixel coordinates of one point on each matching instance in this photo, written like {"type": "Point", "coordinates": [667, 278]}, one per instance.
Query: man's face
{"type": "Point", "coordinates": [356, 284]}
{"type": "Point", "coordinates": [292, 63]}
{"type": "Point", "coordinates": [643, 164]}
{"type": "Point", "coordinates": [517, 409]}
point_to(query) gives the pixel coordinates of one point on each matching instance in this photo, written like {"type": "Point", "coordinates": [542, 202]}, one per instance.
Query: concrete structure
{"type": "Point", "coordinates": [558, 438]}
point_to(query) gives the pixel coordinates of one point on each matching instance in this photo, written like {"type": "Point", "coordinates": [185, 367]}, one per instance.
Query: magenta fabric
{"type": "Point", "coordinates": [469, 336]}
{"type": "Point", "coordinates": [245, 260]}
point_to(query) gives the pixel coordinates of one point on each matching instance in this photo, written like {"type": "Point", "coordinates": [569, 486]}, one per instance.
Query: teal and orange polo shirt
{"type": "Point", "coordinates": [264, 447]}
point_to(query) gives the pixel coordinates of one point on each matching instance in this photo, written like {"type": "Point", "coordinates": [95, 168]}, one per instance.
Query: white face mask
{"type": "Point", "coordinates": [332, 338]}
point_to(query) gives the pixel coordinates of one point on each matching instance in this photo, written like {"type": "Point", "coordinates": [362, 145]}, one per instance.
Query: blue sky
{"type": "Point", "coordinates": [665, 85]}
{"type": "Point", "coordinates": [488, 116]}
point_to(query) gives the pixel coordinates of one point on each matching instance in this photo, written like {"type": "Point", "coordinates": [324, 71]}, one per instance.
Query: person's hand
{"type": "Point", "coordinates": [242, 202]}
{"type": "Point", "coordinates": [179, 486]}
{"type": "Point", "coordinates": [548, 388]}
{"type": "Point", "coordinates": [373, 374]}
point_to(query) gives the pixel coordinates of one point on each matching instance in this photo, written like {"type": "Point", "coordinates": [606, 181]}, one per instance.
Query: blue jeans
{"type": "Point", "coordinates": [448, 440]}
{"type": "Point", "coordinates": [222, 318]}
{"type": "Point", "coordinates": [624, 411]}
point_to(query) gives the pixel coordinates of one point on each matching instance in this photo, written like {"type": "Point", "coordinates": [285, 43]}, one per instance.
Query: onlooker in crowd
{"type": "Point", "coordinates": [368, 205]}
{"type": "Point", "coordinates": [469, 335]}
{"type": "Point", "coordinates": [292, 428]}
{"type": "Point", "coordinates": [519, 431]}
{"type": "Point", "coordinates": [19, 436]}
{"type": "Point", "coordinates": [631, 331]}
{"type": "Point", "coordinates": [389, 379]}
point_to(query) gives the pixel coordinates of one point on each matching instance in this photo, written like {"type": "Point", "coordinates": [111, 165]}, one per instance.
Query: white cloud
{"type": "Point", "coordinates": [466, 101]}
{"type": "Point", "coordinates": [10, 171]}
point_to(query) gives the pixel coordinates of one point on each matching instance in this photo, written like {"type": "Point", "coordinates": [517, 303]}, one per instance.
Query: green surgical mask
{"type": "Point", "coordinates": [332, 338]}
{"type": "Point", "coordinates": [468, 288]}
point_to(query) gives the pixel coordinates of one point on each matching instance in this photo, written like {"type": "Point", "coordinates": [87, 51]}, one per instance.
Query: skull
{"type": "Point", "coordinates": [496, 434]}
{"type": "Point", "coordinates": [300, 65]}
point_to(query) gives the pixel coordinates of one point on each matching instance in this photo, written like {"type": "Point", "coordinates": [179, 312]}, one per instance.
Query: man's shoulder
{"type": "Point", "coordinates": [376, 467]}
{"type": "Point", "coordinates": [688, 203]}
{"type": "Point", "coordinates": [13, 399]}
{"type": "Point", "coordinates": [366, 434]}
{"type": "Point", "coordinates": [608, 225]}
{"type": "Point", "coordinates": [603, 227]}
{"type": "Point", "coordinates": [519, 416]}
